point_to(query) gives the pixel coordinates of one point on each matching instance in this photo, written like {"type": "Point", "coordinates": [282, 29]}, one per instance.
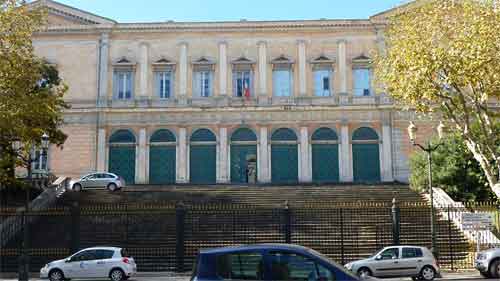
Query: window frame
{"type": "Point", "coordinates": [330, 72]}
{"type": "Point", "coordinates": [276, 93]}
{"type": "Point", "coordinates": [240, 74]}
{"type": "Point", "coordinates": [360, 90]}
{"type": "Point", "coordinates": [120, 80]}
{"type": "Point", "coordinates": [159, 76]}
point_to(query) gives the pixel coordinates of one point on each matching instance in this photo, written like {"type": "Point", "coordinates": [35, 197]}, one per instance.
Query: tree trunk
{"type": "Point", "coordinates": [487, 168]}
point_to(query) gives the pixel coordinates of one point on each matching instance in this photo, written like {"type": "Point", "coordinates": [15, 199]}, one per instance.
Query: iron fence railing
{"type": "Point", "coordinates": [167, 237]}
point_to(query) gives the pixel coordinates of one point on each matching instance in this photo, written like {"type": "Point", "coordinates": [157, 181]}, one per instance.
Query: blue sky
{"type": "Point", "coordinates": [223, 10]}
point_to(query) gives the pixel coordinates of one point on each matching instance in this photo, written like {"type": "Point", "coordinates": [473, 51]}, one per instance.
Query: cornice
{"type": "Point", "coordinates": [245, 26]}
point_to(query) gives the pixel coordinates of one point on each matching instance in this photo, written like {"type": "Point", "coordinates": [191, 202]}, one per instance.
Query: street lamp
{"type": "Point", "coordinates": [429, 148]}
{"type": "Point", "coordinates": [24, 257]}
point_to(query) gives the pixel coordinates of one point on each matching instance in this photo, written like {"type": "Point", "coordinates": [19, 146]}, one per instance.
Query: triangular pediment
{"type": "Point", "coordinates": [282, 59]}
{"type": "Point", "coordinates": [62, 15]}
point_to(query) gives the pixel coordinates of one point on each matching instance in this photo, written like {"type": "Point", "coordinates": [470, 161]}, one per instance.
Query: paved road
{"type": "Point", "coordinates": [466, 276]}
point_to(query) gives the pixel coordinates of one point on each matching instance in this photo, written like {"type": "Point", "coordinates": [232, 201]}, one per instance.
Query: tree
{"type": "Point", "coordinates": [454, 170]}
{"type": "Point", "coordinates": [443, 59]}
{"type": "Point", "coordinates": [31, 93]}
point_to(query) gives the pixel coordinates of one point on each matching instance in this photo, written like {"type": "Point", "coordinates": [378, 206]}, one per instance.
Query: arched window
{"type": "Point", "coordinates": [203, 135]}
{"type": "Point", "coordinates": [163, 135]}
{"type": "Point", "coordinates": [364, 133]}
{"type": "Point", "coordinates": [243, 134]}
{"type": "Point", "coordinates": [284, 134]}
{"type": "Point", "coordinates": [324, 134]}
{"type": "Point", "coordinates": [122, 136]}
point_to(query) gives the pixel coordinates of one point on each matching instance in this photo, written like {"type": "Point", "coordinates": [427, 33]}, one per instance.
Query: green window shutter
{"type": "Point", "coordinates": [325, 163]}
{"type": "Point", "coordinates": [284, 163]}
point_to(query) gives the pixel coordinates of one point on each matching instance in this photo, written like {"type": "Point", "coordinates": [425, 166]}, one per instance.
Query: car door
{"type": "Point", "coordinates": [285, 265]}
{"type": "Point", "coordinates": [409, 263]}
{"type": "Point", "coordinates": [80, 264]}
{"type": "Point", "coordinates": [387, 262]}
{"type": "Point", "coordinates": [89, 181]}
{"type": "Point", "coordinates": [104, 262]}
{"type": "Point", "coordinates": [245, 265]}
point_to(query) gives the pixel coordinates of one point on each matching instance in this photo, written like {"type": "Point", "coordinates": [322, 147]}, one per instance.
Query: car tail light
{"type": "Point", "coordinates": [126, 260]}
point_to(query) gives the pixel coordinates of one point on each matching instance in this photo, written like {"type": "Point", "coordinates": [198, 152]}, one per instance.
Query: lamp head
{"type": "Point", "coordinates": [45, 141]}
{"type": "Point", "coordinates": [412, 132]}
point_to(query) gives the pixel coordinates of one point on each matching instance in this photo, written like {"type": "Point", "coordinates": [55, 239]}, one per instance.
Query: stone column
{"type": "Point", "coordinates": [141, 158]}
{"type": "Point", "coordinates": [183, 69]}
{"type": "Point", "coordinates": [182, 175]}
{"type": "Point", "coordinates": [345, 155]}
{"type": "Point", "coordinates": [101, 150]}
{"type": "Point", "coordinates": [223, 68]}
{"type": "Point", "coordinates": [305, 161]}
{"type": "Point", "coordinates": [143, 71]}
{"type": "Point", "coordinates": [302, 67]}
{"type": "Point", "coordinates": [386, 159]}
{"type": "Point", "coordinates": [262, 65]}
{"type": "Point", "coordinates": [223, 156]}
{"type": "Point", "coordinates": [263, 169]}
{"type": "Point", "coordinates": [342, 62]}
{"type": "Point", "coordinates": [103, 69]}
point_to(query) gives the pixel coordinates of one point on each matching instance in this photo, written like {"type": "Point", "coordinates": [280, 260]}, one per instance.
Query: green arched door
{"type": "Point", "coordinates": [243, 156]}
{"type": "Point", "coordinates": [365, 155]}
{"type": "Point", "coordinates": [162, 157]}
{"type": "Point", "coordinates": [325, 156]}
{"type": "Point", "coordinates": [122, 155]}
{"type": "Point", "coordinates": [202, 157]}
{"type": "Point", "coordinates": [284, 157]}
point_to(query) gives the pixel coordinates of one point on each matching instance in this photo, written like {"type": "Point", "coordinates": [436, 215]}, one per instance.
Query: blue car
{"type": "Point", "coordinates": [267, 262]}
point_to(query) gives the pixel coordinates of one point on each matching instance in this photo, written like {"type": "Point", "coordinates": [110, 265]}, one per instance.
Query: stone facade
{"type": "Point", "coordinates": [88, 49]}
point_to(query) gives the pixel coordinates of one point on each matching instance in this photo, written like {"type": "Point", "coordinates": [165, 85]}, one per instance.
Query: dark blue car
{"type": "Point", "coordinates": [267, 262]}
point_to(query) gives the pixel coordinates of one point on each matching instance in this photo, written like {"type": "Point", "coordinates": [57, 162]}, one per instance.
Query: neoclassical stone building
{"type": "Point", "coordinates": [223, 102]}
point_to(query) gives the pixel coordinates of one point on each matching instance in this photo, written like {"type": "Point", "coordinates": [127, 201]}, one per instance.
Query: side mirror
{"type": "Point", "coordinates": [378, 257]}
{"type": "Point", "coordinates": [68, 260]}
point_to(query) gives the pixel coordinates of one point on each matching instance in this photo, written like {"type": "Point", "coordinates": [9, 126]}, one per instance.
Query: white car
{"type": "Point", "coordinates": [398, 261]}
{"type": "Point", "coordinates": [98, 262]}
{"type": "Point", "coordinates": [109, 181]}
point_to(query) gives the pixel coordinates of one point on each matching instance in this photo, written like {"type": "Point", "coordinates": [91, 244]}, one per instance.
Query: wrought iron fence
{"type": "Point", "coordinates": [167, 237]}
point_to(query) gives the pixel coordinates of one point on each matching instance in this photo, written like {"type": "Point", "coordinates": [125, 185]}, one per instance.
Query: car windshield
{"type": "Point", "coordinates": [328, 260]}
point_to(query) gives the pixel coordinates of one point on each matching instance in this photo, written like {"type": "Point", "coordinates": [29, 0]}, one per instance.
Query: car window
{"type": "Point", "coordinates": [246, 266]}
{"type": "Point", "coordinates": [84, 256]}
{"type": "Point", "coordinates": [124, 253]}
{"type": "Point", "coordinates": [109, 176]}
{"type": "Point", "coordinates": [409, 253]}
{"type": "Point", "coordinates": [291, 266]}
{"type": "Point", "coordinates": [389, 254]}
{"type": "Point", "coordinates": [104, 254]}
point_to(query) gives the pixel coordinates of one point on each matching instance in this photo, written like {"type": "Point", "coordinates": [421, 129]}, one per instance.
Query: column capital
{"type": "Point", "coordinates": [342, 41]}
{"type": "Point", "coordinates": [183, 44]}
{"type": "Point", "coordinates": [222, 42]}
{"type": "Point", "coordinates": [301, 41]}
{"type": "Point", "coordinates": [261, 42]}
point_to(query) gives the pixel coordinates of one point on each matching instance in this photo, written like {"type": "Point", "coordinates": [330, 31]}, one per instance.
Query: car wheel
{"type": "Point", "coordinates": [364, 272]}
{"type": "Point", "coordinates": [56, 275]}
{"type": "Point", "coordinates": [485, 274]}
{"type": "Point", "coordinates": [112, 187]}
{"type": "Point", "coordinates": [427, 273]}
{"type": "Point", "coordinates": [116, 275]}
{"type": "Point", "coordinates": [77, 187]}
{"type": "Point", "coordinates": [495, 269]}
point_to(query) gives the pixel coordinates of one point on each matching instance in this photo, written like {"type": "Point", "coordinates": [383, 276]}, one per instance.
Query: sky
{"type": "Point", "coordinates": [226, 10]}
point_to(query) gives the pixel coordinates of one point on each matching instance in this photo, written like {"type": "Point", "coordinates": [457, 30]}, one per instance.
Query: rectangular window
{"type": "Point", "coordinates": [291, 266]}
{"type": "Point", "coordinates": [164, 84]}
{"type": "Point", "coordinates": [322, 83]}
{"type": "Point", "coordinates": [282, 83]}
{"type": "Point", "coordinates": [39, 160]}
{"type": "Point", "coordinates": [202, 84]}
{"type": "Point", "coordinates": [241, 266]}
{"type": "Point", "coordinates": [123, 86]}
{"type": "Point", "coordinates": [242, 83]}
{"type": "Point", "coordinates": [409, 253]}
{"type": "Point", "coordinates": [362, 82]}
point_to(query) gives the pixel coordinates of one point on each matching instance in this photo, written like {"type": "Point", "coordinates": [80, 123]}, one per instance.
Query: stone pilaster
{"type": "Point", "coordinates": [223, 157]}
{"type": "Point", "coordinates": [101, 150]}
{"type": "Point", "coordinates": [301, 44]}
{"type": "Point", "coordinates": [386, 157]}
{"type": "Point", "coordinates": [223, 68]}
{"type": "Point", "coordinates": [143, 71]}
{"type": "Point", "coordinates": [342, 66]}
{"type": "Point", "coordinates": [103, 69]}
{"type": "Point", "coordinates": [182, 175]}
{"type": "Point", "coordinates": [262, 66]}
{"type": "Point", "coordinates": [345, 155]}
{"type": "Point", "coordinates": [263, 168]}
{"type": "Point", "coordinates": [140, 167]}
{"type": "Point", "coordinates": [305, 173]}
{"type": "Point", "coordinates": [183, 69]}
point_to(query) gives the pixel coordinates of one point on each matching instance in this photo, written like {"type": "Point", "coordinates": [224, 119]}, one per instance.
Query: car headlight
{"type": "Point", "coordinates": [482, 256]}
{"type": "Point", "coordinates": [348, 266]}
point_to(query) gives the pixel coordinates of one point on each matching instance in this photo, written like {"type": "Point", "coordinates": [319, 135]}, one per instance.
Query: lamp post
{"type": "Point", "coordinates": [429, 148]}
{"type": "Point", "coordinates": [24, 257]}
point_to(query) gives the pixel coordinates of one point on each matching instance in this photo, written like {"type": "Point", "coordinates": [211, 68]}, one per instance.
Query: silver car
{"type": "Point", "coordinates": [109, 181]}
{"type": "Point", "coordinates": [398, 261]}
{"type": "Point", "coordinates": [488, 263]}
